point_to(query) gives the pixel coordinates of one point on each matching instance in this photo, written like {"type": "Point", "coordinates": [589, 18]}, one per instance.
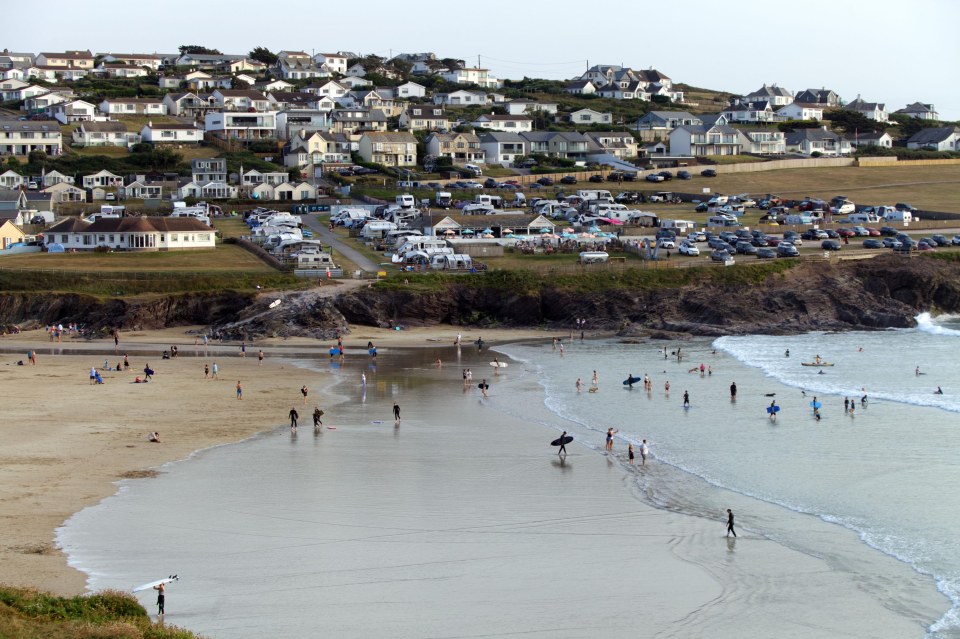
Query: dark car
{"type": "Point", "coordinates": [721, 256]}
{"type": "Point", "coordinates": [627, 197]}
{"type": "Point", "coordinates": [760, 241]}
{"type": "Point", "coordinates": [701, 208]}
{"type": "Point", "coordinates": [595, 178]}
{"type": "Point", "coordinates": [872, 243]}
{"type": "Point", "coordinates": [766, 253]}
{"type": "Point", "coordinates": [545, 181]}
{"type": "Point", "coordinates": [490, 183]}
{"type": "Point", "coordinates": [926, 244]}
{"type": "Point", "coordinates": [568, 179]}
{"type": "Point", "coordinates": [615, 176]}
{"type": "Point", "coordinates": [891, 242]}
{"type": "Point", "coordinates": [814, 234]}
{"type": "Point", "coordinates": [833, 235]}
{"type": "Point", "coordinates": [830, 245]}
{"type": "Point", "coordinates": [941, 240]}
{"type": "Point", "coordinates": [728, 236]}
{"type": "Point", "coordinates": [709, 173]}
{"type": "Point", "coordinates": [746, 248]}
{"type": "Point", "coordinates": [717, 243]}
{"type": "Point", "coordinates": [666, 175]}
{"type": "Point", "coordinates": [786, 249]}
{"type": "Point", "coordinates": [684, 175]}
{"type": "Point", "coordinates": [901, 206]}
{"type": "Point", "coordinates": [888, 231]}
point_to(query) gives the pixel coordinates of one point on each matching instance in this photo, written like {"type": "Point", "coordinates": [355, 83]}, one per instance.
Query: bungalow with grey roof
{"type": "Point", "coordinates": [822, 141]}
{"type": "Point", "coordinates": [499, 122]}
{"type": "Point", "coordinates": [580, 87]}
{"type": "Point", "coordinates": [175, 133]}
{"type": "Point", "coordinates": [705, 139]}
{"type": "Point", "coordinates": [104, 134]}
{"type": "Point", "coordinates": [823, 97]}
{"type": "Point", "coordinates": [941, 138]}
{"type": "Point", "coordinates": [132, 106]}
{"type": "Point", "coordinates": [872, 138]}
{"type": "Point", "coordinates": [589, 116]}
{"type": "Point", "coordinates": [665, 120]}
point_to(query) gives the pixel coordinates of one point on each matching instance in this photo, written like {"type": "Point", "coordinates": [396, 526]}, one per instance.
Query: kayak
{"type": "Point", "coordinates": [815, 364]}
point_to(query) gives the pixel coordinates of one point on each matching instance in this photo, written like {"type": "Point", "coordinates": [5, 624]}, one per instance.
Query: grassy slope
{"type": "Point", "coordinates": [28, 614]}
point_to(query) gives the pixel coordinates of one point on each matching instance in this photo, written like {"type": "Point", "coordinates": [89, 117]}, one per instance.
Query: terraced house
{"type": "Point", "coordinates": [21, 137]}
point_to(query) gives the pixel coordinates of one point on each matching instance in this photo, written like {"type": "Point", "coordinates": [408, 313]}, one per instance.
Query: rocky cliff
{"type": "Point", "coordinates": [867, 294]}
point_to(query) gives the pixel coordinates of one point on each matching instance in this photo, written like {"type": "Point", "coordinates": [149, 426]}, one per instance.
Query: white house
{"type": "Point", "coordinates": [240, 100]}
{"type": "Point", "coordinates": [801, 111]}
{"type": "Point", "coordinates": [120, 70]}
{"type": "Point", "coordinates": [522, 106]}
{"type": "Point", "coordinates": [355, 82]}
{"type": "Point", "coordinates": [132, 234]}
{"type": "Point", "coordinates": [20, 138]}
{"type": "Point", "coordinates": [239, 125]}
{"type": "Point", "coordinates": [763, 141]}
{"type": "Point", "coordinates": [104, 134]}
{"type": "Point", "coordinates": [133, 106]}
{"type": "Point", "coordinates": [871, 138]}
{"type": "Point", "coordinates": [502, 148]}
{"type": "Point", "coordinates": [873, 110]}
{"type": "Point", "coordinates": [317, 148]}
{"type": "Point", "coordinates": [331, 89]}
{"type": "Point", "coordinates": [208, 170]}
{"type": "Point", "coordinates": [334, 62]}
{"type": "Point", "coordinates": [581, 87]}
{"type": "Point", "coordinates": [620, 144]}
{"type": "Point", "coordinates": [293, 121]}
{"type": "Point", "coordinates": [188, 104]}
{"type": "Point", "coordinates": [409, 90]}
{"type": "Point", "coordinates": [102, 178]}
{"type": "Point", "coordinates": [751, 112]}
{"type": "Point", "coordinates": [589, 116]}
{"type": "Point", "coordinates": [63, 192]}
{"type": "Point", "coordinates": [171, 133]}
{"type": "Point", "coordinates": [253, 177]}
{"type": "Point", "coordinates": [72, 111]}
{"type": "Point", "coordinates": [920, 111]}
{"type": "Point", "coordinates": [295, 192]}
{"type": "Point", "coordinates": [461, 97]}
{"type": "Point", "coordinates": [705, 139]}
{"type": "Point", "coordinates": [822, 141]}
{"type": "Point", "coordinates": [942, 138]}
{"type": "Point", "coordinates": [665, 121]}
{"type": "Point", "coordinates": [10, 180]}
{"type": "Point", "coordinates": [141, 190]}
{"type": "Point", "coordinates": [149, 60]}
{"type": "Point", "coordinates": [776, 96]}
{"type": "Point", "coordinates": [56, 177]}
{"type": "Point", "coordinates": [498, 122]}
{"type": "Point", "coordinates": [480, 77]}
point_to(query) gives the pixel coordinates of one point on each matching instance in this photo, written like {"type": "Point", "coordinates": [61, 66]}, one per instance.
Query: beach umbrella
{"type": "Point", "coordinates": [467, 232]}
{"type": "Point", "coordinates": [449, 232]}
{"type": "Point", "coordinates": [488, 236]}
{"type": "Point", "coordinates": [568, 230]}
{"type": "Point", "coordinates": [544, 230]}
{"type": "Point", "coordinates": [487, 231]}
{"type": "Point", "coordinates": [506, 231]}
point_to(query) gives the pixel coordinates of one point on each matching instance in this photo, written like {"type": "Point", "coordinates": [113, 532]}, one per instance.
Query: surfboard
{"type": "Point", "coordinates": [498, 364]}
{"type": "Point", "coordinates": [632, 380]}
{"type": "Point", "coordinates": [274, 303]}
{"type": "Point", "coordinates": [376, 421]}
{"type": "Point", "coordinates": [153, 584]}
{"type": "Point", "coordinates": [561, 441]}
{"type": "Point", "coordinates": [481, 385]}
{"type": "Point", "coordinates": [815, 364]}
{"type": "Point", "coordinates": [816, 405]}
{"type": "Point", "coordinates": [773, 409]}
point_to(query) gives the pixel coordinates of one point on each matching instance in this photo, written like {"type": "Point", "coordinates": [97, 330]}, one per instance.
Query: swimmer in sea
{"type": "Point", "coordinates": [939, 391]}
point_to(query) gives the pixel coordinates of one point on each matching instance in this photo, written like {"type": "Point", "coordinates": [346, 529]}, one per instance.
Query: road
{"type": "Point", "coordinates": [320, 232]}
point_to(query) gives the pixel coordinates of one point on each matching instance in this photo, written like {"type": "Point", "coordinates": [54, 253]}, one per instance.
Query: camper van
{"type": "Point", "coordinates": [680, 226]}
{"type": "Point", "coordinates": [863, 218]}
{"type": "Point", "coordinates": [722, 220]}
{"type": "Point", "coordinates": [377, 228]}
{"type": "Point", "coordinates": [405, 201]}
{"type": "Point", "coordinates": [594, 194]}
{"type": "Point", "coordinates": [443, 199]}
{"type": "Point", "coordinates": [349, 216]}
{"type": "Point", "coordinates": [894, 215]}
{"type": "Point", "coordinates": [593, 257]}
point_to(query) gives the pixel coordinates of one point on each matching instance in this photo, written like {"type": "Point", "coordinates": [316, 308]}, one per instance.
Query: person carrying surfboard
{"type": "Point", "coordinates": [563, 445]}
{"type": "Point", "coordinates": [773, 410]}
{"type": "Point", "coordinates": [161, 589]}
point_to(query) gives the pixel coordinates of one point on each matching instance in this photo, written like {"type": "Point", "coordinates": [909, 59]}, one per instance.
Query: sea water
{"type": "Point", "coordinates": [867, 491]}
{"type": "Point", "coordinates": [887, 470]}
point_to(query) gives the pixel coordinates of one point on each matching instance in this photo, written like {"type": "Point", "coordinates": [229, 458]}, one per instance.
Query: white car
{"type": "Point", "coordinates": [844, 208]}
{"type": "Point", "coordinates": [688, 248]}
{"type": "Point", "coordinates": [666, 243]}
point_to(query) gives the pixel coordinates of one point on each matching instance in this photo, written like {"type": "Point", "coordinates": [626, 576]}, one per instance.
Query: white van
{"type": "Point", "coordinates": [594, 194]}
{"type": "Point", "coordinates": [722, 220]}
{"type": "Point", "coordinates": [863, 218]}
{"type": "Point", "coordinates": [473, 168]}
{"type": "Point", "coordinates": [443, 199]}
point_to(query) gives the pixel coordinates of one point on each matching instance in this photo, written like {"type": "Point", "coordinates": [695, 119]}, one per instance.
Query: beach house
{"type": "Point", "coordinates": [131, 234]}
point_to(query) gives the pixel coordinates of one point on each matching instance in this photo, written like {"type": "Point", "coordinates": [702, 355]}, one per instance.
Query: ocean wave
{"type": "Point", "coordinates": [934, 325]}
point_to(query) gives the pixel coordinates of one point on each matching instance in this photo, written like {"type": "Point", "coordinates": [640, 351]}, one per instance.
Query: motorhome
{"type": "Point", "coordinates": [443, 199]}
{"type": "Point", "coordinates": [863, 218]}
{"type": "Point", "coordinates": [405, 201]}
{"type": "Point", "coordinates": [722, 220]}
{"type": "Point", "coordinates": [422, 243]}
{"type": "Point", "coordinates": [895, 215]}
{"type": "Point", "coordinates": [519, 199]}
{"type": "Point", "coordinates": [377, 228]}
{"type": "Point", "coordinates": [311, 260]}
{"type": "Point", "coordinates": [680, 226]}
{"type": "Point", "coordinates": [491, 200]}
{"type": "Point", "coordinates": [594, 194]}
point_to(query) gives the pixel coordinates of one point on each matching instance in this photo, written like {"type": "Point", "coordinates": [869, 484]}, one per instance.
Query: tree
{"type": "Point", "coordinates": [263, 54]}
{"type": "Point", "coordinates": [850, 121]}
{"type": "Point", "coordinates": [196, 48]}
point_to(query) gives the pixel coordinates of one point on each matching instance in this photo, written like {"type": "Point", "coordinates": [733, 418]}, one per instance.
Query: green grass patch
{"type": "Point", "coordinates": [29, 614]}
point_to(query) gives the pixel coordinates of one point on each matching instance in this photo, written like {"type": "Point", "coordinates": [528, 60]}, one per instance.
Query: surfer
{"type": "Point", "coordinates": [733, 390]}
{"type": "Point", "coordinates": [863, 401]}
{"type": "Point", "coordinates": [304, 391]}
{"type": "Point", "coordinates": [644, 451]}
{"type": "Point", "coordinates": [787, 353]}
{"type": "Point", "coordinates": [160, 597]}
{"type": "Point", "coordinates": [563, 445]}
{"type": "Point", "coordinates": [773, 410]}
{"type": "Point", "coordinates": [317, 413]}
{"type": "Point", "coordinates": [846, 404]}
{"type": "Point", "coordinates": [630, 379]}
{"type": "Point", "coordinates": [294, 416]}
{"type": "Point", "coordinates": [939, 391]}
{"type": "Point", "coordinates": [916, 371]}
{"type": "Point", "coordinates": [816, 414]}
{"type": "Point", "coordinates": [686, 399]}
{"type": "Point", "coordinates": [730, 523]}
{"type": "Point", "coordinates": [396, 412]}
{"type": "Point", "coordinates": [610, 434]}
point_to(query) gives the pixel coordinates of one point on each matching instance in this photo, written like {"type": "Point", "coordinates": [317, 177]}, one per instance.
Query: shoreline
{"type": "Point", "coordinates": [52, 469]}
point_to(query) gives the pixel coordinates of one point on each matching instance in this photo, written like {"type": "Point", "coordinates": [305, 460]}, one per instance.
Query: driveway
{"type": "Point", "coordinates": [320, 232]}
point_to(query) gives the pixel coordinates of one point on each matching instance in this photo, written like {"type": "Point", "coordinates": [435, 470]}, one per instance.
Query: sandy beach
{"type": "Point", "coordinates": [461, 522]}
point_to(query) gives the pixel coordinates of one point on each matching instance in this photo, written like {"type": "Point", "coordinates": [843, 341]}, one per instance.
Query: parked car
{"type": "Point", "coordinates": [721, 256]}
{"type": "Point", "coordinates": [654, 177]}
{"type": "Point", "coordinates": [545, 181]}
{"type": "Point", "coordinates": [871, 243]}
{"type": "Point", "coordinates": [833, 235]}
{"type": "Point", "coordinates": [941, 240]}
{"type": "Point", "coordinates": [684, 175]}
{"type": "Point", "coordinates": [873, 232]}
{"type": "Point", "coordinates": [595, 178]}
{"type": "Point", "coordinates": [926, 244]}
{"type": "Point", "coordinates": [955, 240]}
{"type": "Point", "coordinates": [861, 231]}
{"type": "Point", "coordinates": [844, 232]}
{"type": "Point", "coordinates": [830, 245]}
{"type": "Point", "coordinates": [666, 175]}
{"type": "Point", "coordinates": [709, 173]}
{"type": "Point", "coordinates": [700, 236]}
{"type": "Point", "coordinates": [888, 231]}
{"type": "Point", "coordinates": [627, 197]}
{"type": "Point", "coordinates": [37, 219]}
{"type": "Point", "coordinates": [793, 237]}
{"type": "Point", "coordinates": [687, 247]}
{"type": "Point", "coordinates": [814, 234]}
{"type": "Point", "coordinates": [701, 208]}
{"type": "Point", "coordinates": [746, 248]}
{"type": "Point", "coordinates": [666, 243]}
{"type": "Point", "coordinates": [568, 179]}
{"type": "Point", "coordinates": [786, 249]}
{"type": "Point", "coordinates": [717, 244]}
{"type": "Point", "coordinates": [891, 243]}
{"type": "Point", "coordinates": [766, 253]}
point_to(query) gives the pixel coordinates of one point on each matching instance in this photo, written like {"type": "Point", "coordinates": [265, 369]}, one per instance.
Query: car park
{"type": "Point", "coordinates": [830, 245]}
{"type": "Point", "coordinates": [766, 253]}
{"type": "Point", "coordinates": [687, 247]}
{"type": "Point", "coordinates": [872, 243]}
{"type": "Point", "coordinates": [684, 175]}
{"type": "Point", "coordinates": [786, 249]}
{"type": "Point", "coordinates": [709, 173]}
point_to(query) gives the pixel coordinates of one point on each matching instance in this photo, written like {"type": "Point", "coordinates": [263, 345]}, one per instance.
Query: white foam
{"type": "Point", "coordinates": [928, 324]}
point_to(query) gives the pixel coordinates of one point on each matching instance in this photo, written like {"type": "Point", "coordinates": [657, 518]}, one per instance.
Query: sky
{"type": "Point", "coordinates": [896, 53]}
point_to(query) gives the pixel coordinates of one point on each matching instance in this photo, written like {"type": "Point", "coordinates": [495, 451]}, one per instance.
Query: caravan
{"type": "Point", "coordinates": [722, 220]}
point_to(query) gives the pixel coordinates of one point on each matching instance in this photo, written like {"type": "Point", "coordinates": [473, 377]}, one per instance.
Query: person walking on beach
{"type": "Point", "coordinates": [730, 523]}
{"type": "Point", "coordinates": [260, 358]}
{"type": "Point", "coordinates": [396, 412]}
{"type": "Point", "coordinates": [206, 371]}
{"type": "Point", "coordinates": [644, 451]}
{"type": "Point", "coordinates": [304, 391]}
{"type": "Point", "coordinates": [610, 434]}
{"type": "Point", "coordinates": [239, 390]}
{"type": "Point", "coordinates": [126, 362]}
{"type": "Point", "coordinates": [595, 380]}
{"type": "Point", "coordinates": [317, 414]}
{"type": "Point", "coordinates": [294, 416]}
{"type": "Point", "coordinates": [215, 371]}
{"type": "Point", "coordinates": [846, 404]}
{"type": "Point", "coordinates": [733, 390]}
{"type": "Point", "coordinates": [483, 386]}
{"type": "Point", "coordinates": [160, 598]}
{"type": "Point", "coordinates": [666, 386]}
{"type": "Point", "coordinates": [686, 399]}
{"type": "Point", "coordinates": [579, 385]}
{"type": "Point", "coordinates": [630, 452]}
{"type": "Point", "coordinates": [563, 445]}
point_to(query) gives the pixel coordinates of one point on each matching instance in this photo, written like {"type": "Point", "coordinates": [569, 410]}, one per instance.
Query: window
{"type": "Point", "coordinates": [173, 237]}
{"type": "Point", "coordinates": [64, 238]}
